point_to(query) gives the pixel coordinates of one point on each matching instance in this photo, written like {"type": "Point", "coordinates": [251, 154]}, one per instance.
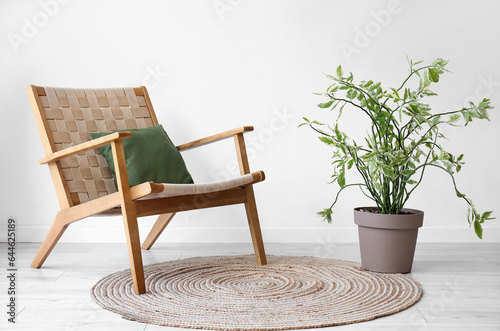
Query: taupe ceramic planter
{"type": "Point", "coordinates": [387, 242]}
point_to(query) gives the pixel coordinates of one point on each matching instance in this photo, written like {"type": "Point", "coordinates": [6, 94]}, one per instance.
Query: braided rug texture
{"type": "Point", "coordinates": [233, 293]}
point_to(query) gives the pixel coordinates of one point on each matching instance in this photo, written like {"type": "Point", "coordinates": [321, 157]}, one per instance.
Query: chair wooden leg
{"type": "Point", "coordinates": [56, 231]}
{"type": "Point", "coordinates": [129, 218]}
{"type": "Point", "coordinates": [253, 223]}
{"type": "Point", "coordinates": [157, 229]}
{"type": "Point", "coordinates": [134, 249]}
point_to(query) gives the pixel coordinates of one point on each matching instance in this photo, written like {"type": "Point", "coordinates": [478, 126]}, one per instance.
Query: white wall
{"type": "Point", "coordinates": [218, 64]}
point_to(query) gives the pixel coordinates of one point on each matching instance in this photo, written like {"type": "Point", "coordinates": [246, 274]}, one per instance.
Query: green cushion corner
{"type": "Point", "coordinates": [150, 155]}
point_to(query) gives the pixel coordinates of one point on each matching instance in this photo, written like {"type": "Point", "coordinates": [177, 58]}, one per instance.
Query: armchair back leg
{"type": "Point", "coordinates": [160, 225]}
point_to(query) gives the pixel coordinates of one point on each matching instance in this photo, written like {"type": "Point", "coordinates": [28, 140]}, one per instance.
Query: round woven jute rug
{"type": "Point", "coordinates": [233, 293]}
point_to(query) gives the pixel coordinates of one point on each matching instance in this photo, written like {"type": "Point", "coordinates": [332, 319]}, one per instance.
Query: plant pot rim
{"type": "Point", "coordinates": [413, 220]}
{"type": "Point", "coordinates": [406, 210]}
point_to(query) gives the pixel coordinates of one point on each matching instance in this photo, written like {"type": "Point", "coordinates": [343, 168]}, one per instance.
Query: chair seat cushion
{"type": "Point", "coordinates": [150, 155]}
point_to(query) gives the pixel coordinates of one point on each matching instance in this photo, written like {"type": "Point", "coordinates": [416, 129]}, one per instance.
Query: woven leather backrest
{"type": "Point", "coordinates": [72, 113]}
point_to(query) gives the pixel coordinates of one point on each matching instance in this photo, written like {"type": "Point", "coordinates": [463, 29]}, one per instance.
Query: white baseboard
{"type": "Point", "coordinates": [331, 234]}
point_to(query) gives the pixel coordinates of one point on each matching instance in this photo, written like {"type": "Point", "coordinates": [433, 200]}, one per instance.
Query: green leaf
{"type": "Point", "coordinates": [327, 140]}
{"type": "Point", "coordinates": [340, 72]}
{"type": "Point", "coordinates": [486, 216]}
{"type": "Point", "coordinates": [326, 104]}
{"type": "Point", "coordinates": [440, 63]}
{"type": "Point", "coordinates": [351, 94]}
{"type": "Point", "coordinates": [326, 214]}
{"type": "Point", "coordinates": [409, 60]}
{"type": "Point", "coordinates": [388, 172]}
{"type": "Point", "coordinates": [433, 75]}
{"type": "Point", "coordinates": [426, 78]}
{"type": "Point", "coordinates": [407, 93]}
{"type": "Point", "coordinates": [454, 118]}
{"type": "Point", "coordinates": [478, 229]}
{"type": "Point", "coordinates": [341, 178]}
{"type": "Point", "coordinates": [396, 93]}
{"type": "Point", "coordinates": [338, 133]}
{"type": "Point", "coordinates": [408, 172]}
{"type": "Point", "coordinates": [335, 104]}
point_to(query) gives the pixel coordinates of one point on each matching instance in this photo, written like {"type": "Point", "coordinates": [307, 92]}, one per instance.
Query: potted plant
{"type": "Point", "coordinates": [403, 139]}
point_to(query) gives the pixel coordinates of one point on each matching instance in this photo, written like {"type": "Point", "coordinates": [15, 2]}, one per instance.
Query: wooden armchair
{"type": "Point", "coordinates": [85, 185]}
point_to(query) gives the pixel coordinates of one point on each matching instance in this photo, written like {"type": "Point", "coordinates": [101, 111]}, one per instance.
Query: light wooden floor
{"type": "Point", "coordinates": [461, 284]}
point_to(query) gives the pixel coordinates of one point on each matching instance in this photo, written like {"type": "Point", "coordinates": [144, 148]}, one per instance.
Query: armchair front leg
{"type": "Point", "coordinates": [56, 231]}
{"type": "Point", "coordinates": [250, 205]}
{"type": "Point", "coordinates": [129, 218]}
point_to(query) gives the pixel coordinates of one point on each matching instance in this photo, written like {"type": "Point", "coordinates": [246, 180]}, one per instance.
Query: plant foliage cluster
{"type": "Point", "coordinates": [403, 140]}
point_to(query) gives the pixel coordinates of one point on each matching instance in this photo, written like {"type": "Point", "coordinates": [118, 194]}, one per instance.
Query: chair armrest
{"type": "Point", "coordinates": [215, 137]}
{"type": "Point", "coordinates": [83, 147]}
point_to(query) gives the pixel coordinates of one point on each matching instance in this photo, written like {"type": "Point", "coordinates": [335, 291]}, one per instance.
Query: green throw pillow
{"type": "Point", "coordinates": [150, 155]}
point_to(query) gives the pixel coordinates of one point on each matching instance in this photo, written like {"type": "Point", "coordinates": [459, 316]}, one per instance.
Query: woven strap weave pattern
{"type": "Point", "coordinates": [72, 113]}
